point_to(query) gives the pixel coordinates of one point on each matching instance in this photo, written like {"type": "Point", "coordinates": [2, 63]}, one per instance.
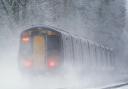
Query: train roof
{"type": "Point", "coordinates": [40, 28]}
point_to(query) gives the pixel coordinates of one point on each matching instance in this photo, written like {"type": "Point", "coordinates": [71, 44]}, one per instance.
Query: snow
{"type": "Point", "coordinates": [99, 21]}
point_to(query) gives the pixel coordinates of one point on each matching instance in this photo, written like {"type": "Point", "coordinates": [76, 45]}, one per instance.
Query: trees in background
{"type": "Point", "coordinates": [15, 9]}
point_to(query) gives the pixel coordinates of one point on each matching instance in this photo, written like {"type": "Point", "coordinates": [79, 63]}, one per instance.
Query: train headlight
{"type": "Point", "coordinates": [52, 63]}
{"type": "Point", "coordinates": [25, 39]}
{"type": "Point", "coordinates": [27, 64]}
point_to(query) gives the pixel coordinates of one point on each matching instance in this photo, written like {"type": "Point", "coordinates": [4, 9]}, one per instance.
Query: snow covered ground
{"type": "Point", "coordinates": [11, 78]}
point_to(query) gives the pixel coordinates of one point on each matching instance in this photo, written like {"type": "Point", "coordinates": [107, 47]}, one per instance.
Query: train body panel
{"type": "Point", "coordinates": [46, 49]}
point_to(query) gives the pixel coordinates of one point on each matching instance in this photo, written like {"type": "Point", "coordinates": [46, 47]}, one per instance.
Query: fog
{"type": "Point", "coordinates": [101, 21]}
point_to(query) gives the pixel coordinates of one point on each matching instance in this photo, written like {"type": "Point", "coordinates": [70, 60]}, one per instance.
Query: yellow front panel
{"type": "Point", "coordinates": [39, 52]}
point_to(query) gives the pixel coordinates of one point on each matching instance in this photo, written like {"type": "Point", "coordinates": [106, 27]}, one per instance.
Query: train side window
{"type": "Point", "coordinates": [69, 48]}
{"type": "Point", "coordinates": [63, 39]}
{"type": "Point", "coordinates": [75, 44]}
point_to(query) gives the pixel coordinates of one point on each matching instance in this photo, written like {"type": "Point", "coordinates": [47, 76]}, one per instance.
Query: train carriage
{"type": "Point", "coordinates": [47, 49]}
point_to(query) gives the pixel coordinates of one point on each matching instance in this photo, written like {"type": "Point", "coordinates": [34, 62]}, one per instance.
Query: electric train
{"type": "Point", "coordinates": [48, 49]}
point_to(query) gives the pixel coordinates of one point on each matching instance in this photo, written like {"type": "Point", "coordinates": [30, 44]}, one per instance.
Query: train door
{"type": "Point", "coordinates": [39, 51]}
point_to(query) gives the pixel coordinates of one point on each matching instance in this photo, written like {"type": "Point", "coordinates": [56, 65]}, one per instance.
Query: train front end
{"type": "Point", "coordinates": [40, 50]}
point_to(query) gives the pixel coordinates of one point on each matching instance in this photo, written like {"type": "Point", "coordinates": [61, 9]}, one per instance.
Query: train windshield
{"type": "Point", "coordinates": [53, 45]}
{"type": "Point", "coordinates": [26, 46]}
{"type": "Point", "coordinates": [53, 42]}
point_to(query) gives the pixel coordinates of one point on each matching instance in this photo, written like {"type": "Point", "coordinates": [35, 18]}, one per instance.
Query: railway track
{"type": "Point", "coordinates": [117, 86]}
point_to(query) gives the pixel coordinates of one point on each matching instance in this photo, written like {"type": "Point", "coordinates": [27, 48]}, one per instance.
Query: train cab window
{"type": "Point", "coordinates": [53, 45]}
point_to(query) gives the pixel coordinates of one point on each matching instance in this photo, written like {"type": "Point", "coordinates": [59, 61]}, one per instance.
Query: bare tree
{"type": "Point", "coordinates": [15, 9]}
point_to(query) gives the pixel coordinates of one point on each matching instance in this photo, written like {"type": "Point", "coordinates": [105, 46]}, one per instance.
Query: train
{"type": "Point", "coordinates": [45, 48]}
